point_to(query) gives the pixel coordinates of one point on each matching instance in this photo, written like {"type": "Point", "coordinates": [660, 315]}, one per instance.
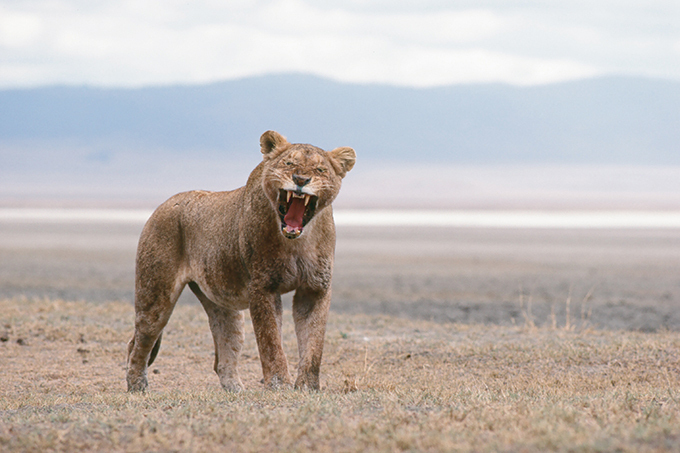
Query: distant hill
{"type": "Point", "coordinates": [151, 142]}
{"type": "Point", "coordinates": [607, 120]}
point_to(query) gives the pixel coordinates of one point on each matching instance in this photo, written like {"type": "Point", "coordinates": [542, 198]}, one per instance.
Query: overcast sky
{"type": "Point", "coordinates": [410, 43]}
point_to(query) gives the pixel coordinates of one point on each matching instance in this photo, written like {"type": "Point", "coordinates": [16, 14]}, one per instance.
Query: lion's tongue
{"type": "Point", "coordinates": [296, 211]}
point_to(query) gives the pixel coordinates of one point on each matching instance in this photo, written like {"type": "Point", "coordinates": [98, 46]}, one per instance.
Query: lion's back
{"type": "Point", "coordinates": [186, 217]}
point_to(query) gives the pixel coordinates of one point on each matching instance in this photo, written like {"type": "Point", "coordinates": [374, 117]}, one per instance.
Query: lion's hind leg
{"type": "Point", "coordinates": [152, 357]}
{"type": "Point", "coordinates": [154, 350]}
{"type": "Point", "coordinates": [154, 303]}
{"type": "Point", "coordinates": [227, 327]}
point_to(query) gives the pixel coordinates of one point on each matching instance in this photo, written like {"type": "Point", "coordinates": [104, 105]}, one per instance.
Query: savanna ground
{"type": "Point", "coordinates": [439, 340]}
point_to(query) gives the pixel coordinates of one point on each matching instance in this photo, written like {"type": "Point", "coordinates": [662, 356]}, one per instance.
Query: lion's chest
{"type": "Point", "coordinates": [289, 272]}
{"type": "Point", "coordinates": [272, 272]}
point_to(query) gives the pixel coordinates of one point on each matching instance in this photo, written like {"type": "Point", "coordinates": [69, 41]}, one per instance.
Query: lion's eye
{"type": "Point", "coordinates": [289, 163]}
{"type": "Point", "coordinates": [321, 170]}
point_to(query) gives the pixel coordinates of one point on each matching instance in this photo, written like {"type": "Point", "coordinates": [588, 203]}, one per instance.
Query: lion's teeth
{"type": "Point", "coordinates": [307, 197]}
{"type": "Point", "coordinates": [288, 195]}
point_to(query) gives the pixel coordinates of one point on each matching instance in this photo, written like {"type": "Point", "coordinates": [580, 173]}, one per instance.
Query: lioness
{"type": "Point", "coordinates": [241, 250]}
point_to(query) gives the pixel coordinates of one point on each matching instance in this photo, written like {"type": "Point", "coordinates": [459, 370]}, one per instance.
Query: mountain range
{"type": "Point", "coordinates": [78, 137]}
{"type": "Point", "coordinates": [620, 120]}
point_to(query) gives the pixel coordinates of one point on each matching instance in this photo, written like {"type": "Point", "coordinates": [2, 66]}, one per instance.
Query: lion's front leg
{"type": "Point", "coordinates": [265, 311]}
{"type": "Point", "coordinates": [310, 312]}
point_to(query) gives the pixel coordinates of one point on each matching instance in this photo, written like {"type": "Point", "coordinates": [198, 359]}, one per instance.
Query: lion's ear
{"type": "Point", "coordinates": [271, 140]}
{"type": "Point", "coordinates": [345, 158]}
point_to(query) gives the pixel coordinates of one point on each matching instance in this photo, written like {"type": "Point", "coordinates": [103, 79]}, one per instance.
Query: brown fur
{"type": "Point", "coordinates": [235, 252]}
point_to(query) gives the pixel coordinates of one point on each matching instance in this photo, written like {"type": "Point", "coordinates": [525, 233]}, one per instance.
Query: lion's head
{"type": "Point", "coordinates": [301, 180]}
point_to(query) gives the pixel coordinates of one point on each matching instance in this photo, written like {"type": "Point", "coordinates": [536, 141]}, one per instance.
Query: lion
{"type": "Point", "coordinates": [242, 249]}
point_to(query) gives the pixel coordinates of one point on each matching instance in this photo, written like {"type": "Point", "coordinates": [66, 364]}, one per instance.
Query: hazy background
{"type": "Point", "coordinates": [449, 104]}
{"type": "Point", "coordinates": [468, 105]}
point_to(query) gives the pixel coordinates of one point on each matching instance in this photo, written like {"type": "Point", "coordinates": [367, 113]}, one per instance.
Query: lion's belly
{"type": "Point", "coordinates": [225, 285]}
{"type": "Point", "coordinates": [240, 302]}
{"type": "Point", "coordinates": [223, 295]}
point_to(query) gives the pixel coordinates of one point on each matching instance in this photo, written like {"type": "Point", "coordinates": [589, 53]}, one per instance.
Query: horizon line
{"type": "Point", "coordinates": [451, 218]}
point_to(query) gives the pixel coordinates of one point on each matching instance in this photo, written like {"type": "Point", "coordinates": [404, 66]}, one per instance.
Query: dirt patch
{"type": "Point", "coordinates": [388, 384]}
{"type": "Point", "coordinates": [609, 279]}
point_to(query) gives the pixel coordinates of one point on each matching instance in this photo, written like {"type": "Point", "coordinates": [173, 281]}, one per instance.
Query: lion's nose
{"type": "Point", "coordinates": [300, 181]}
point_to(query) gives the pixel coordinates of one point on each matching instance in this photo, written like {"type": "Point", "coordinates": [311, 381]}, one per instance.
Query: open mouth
{"type": "Point", "coordinates": [296, 209]}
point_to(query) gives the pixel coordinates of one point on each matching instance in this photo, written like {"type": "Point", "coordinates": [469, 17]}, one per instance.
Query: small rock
{"type": "Point", "coordinates": [21, 342]}
{"type": "Point", "coordinates": [350, 384]}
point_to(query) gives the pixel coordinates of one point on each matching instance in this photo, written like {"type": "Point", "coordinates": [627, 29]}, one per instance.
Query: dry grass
{"type": "Point", "coordinates": [388, 385]}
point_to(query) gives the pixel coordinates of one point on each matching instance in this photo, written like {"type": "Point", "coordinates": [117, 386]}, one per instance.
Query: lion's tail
{"type": "Point", "coordinates": [154, 351]}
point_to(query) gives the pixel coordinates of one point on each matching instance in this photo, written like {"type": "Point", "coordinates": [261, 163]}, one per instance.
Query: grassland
{"type": "Point", "coordinates": [388, 384]}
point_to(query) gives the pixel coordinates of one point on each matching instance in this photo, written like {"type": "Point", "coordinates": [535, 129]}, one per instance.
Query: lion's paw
{"type": "Point", "coordinates": [276, 382]}
{"type": "Point", "coordinates": [307, 382]}
{"type": "Point", "coordinates": [232, 385]}
{"type": "Point", "coordinates": [137, 385]}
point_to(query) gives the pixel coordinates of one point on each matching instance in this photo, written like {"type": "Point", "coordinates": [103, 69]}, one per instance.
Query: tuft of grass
{"type": "Point", "coordinates": [387, 385]}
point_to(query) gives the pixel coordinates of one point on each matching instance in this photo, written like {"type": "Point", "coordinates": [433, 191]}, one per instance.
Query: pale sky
{"type": "Point", "coordinates": [418, 43]}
